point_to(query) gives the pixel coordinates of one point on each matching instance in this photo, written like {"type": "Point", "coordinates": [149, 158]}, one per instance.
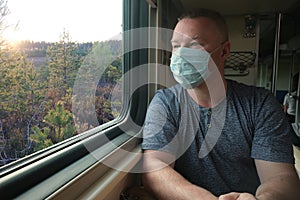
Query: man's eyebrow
{"type": "Point", "coordinates": [176, 40]}
{"type": "Point", "coordinates": [196, 37]}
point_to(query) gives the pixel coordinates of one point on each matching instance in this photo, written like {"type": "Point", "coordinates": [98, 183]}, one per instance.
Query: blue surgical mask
{"type": "Point", "coordinates": [189, 66]}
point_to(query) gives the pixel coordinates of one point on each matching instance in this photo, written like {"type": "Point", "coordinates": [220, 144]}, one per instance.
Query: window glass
{"type": "Point", "coordinates": [60, 66]}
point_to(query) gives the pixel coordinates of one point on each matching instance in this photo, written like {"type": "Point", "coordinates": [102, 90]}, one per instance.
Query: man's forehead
{"type": "Point", "coordinates": [180, 36]}
{"type": "Point", "coordinates": [200, 28]}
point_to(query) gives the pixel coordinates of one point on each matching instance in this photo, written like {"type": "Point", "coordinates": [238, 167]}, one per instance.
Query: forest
{"type": "Point", "coordinates": [37, 97]}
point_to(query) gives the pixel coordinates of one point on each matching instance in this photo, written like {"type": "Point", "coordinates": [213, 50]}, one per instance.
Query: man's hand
{"type": "Point", "coordinates": [237, 196]}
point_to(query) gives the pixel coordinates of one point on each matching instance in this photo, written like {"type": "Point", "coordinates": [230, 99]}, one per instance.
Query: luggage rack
{"type": "Point", "coordinates": [238, 62]}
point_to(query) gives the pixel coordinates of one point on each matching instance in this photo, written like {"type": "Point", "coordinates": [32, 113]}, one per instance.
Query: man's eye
{"type": "Point", "coordinates": [194, 44]}
{"type": "Point", "coordinates": [175, 46]}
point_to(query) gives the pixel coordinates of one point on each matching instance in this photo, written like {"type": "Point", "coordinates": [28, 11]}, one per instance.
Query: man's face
{"type": "Point", "coordinates": [201, 33]}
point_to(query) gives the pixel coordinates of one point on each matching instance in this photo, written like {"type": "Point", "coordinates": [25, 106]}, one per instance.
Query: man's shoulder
{"type": "Point", "coordinates": [171, 92]}
{"type": "Point", "coordinates": [243, 89]}
{"type": "Point", "coordinates": [168, 96]}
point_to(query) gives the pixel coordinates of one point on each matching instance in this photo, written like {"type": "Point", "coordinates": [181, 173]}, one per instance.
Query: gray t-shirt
{"type": "Point", "coordinates": [215, 148]}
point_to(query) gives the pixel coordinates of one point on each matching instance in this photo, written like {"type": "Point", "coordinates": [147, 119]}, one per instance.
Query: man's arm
{"type": "Point", "coordinates": [285, 104]}
{"type": "Point", "coordinates": [279, 181]}
{"type": "Point", "coordinates": [285, 108]}
{"type": "Point", "coordinates": [164, 182]}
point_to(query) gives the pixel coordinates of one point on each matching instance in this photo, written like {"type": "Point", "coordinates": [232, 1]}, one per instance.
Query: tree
{"type": "Point", "coordinates": [35, 105]}
{"type": "Point", "coordinates": [40, 138]}
{"type": "Point", "coordinates": [95, 82]}
{"type": "Point", "coordinates": [4, 11]}
{"type": "Point", "coordinates": [103, 100]}
{"type": "Point", "coordinates": [59, 126]}
{"type": "Point", "coordinates": [22, 98]}
{"type": "Point", "coordinates": [63, 63]}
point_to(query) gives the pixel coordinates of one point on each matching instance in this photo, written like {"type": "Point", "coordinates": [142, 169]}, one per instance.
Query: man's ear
{"type": "Point", "coordinates": [226, 50]}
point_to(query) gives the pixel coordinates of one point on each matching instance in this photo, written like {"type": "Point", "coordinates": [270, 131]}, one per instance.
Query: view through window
{"type": "Point", "coordinates": [49, 49]}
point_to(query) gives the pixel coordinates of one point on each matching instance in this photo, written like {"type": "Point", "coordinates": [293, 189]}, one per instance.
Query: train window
{"type": "Point", "coordinates": [67, 93]}
{"type": "Point", "coordinates": [60, 72]}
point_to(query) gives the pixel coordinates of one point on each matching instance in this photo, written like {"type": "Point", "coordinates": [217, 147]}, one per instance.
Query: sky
{"type": "Point", "coordinates": [45, 20]}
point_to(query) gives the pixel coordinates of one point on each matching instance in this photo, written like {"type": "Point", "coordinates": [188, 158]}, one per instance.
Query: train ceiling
{"type": "Point", "coordinates": [240, 7]}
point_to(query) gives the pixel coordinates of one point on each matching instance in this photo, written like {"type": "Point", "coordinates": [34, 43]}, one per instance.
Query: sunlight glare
{"type": "Point", "coordinates": [91, 20]}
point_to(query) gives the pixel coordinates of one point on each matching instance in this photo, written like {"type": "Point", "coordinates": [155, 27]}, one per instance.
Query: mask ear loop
{"type": "Point", "coordinates": [217, 48]}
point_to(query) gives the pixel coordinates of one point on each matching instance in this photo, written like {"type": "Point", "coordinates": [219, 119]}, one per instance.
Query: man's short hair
{"type": "Point", "coordinates": [214, 15]}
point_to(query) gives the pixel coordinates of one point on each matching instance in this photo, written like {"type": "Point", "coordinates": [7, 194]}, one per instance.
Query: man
{"type": "Point", "coordinates": [289, 107]}
{"type": "Point", "coordinates": [289, 102]}
{"type": "Point", "coordinates": [211, 138]}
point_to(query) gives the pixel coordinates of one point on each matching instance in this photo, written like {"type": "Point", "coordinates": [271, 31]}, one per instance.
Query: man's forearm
{"type": "Point", "coordinates": [166, 183]}
{"type": "Point", "coordinates": [280, 188]}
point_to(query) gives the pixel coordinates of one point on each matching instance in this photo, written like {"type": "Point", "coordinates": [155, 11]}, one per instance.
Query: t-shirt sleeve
{"type": "Point", "coordinates": [159, 127]}
{"type": "Point", "coordinates": [272, 136]}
